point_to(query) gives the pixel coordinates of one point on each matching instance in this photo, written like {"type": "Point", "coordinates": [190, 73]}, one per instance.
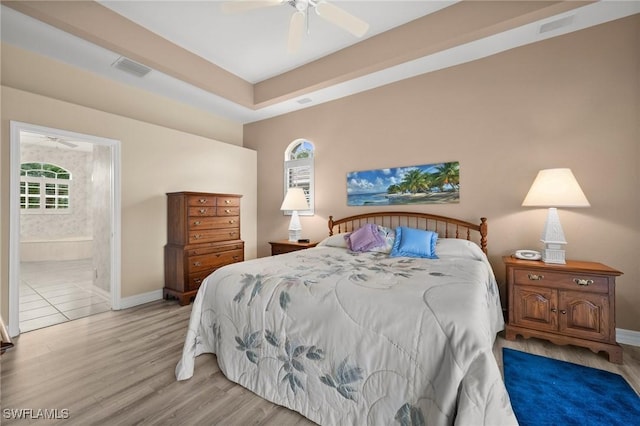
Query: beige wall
{"type": "Point", "coordinates": [155, 160]}
{"type": "Point", "coordinates": [35, 73]}
{"type": "Point", "coordinates": [571, 101]}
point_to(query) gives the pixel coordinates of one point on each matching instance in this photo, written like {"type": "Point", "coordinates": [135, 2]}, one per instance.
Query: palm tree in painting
{"type": "Point", "coordinates": [446, 177]}
{"type": "Point", "coordinates": [448, 174]}
{"type": "Point", "coordinates": [415, 181]}
{"type": "Point", "coordinates": [394, 189]}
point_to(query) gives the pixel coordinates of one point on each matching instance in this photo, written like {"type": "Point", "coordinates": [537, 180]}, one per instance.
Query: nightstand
{"type": "Point", "coordinates": [570, 304]}
{"type": "Point", "coordinates": [286, 246]}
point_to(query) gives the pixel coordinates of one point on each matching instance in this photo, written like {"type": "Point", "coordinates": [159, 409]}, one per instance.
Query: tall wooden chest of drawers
{"type": "Point", "coordinates": [203, 234]}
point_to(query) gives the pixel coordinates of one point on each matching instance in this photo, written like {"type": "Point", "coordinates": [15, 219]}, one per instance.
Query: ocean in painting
{"type": "Point", "coordinates": [386, 200]}
{"type": "Point", "coordinates": [367, 199]}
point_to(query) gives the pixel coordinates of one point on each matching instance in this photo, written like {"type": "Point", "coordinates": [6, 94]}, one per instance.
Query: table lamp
{"type": "Point", "coordinates": [554, 188]}
{"type": "Point", "coordinates": [295, 200]}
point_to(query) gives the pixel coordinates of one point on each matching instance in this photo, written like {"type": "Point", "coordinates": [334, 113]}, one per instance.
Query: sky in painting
{"type": "Point", "coordinates": [377, 181]}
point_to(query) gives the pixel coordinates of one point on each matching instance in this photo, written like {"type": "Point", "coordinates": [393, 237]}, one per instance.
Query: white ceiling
{"type": "Point", "coordinates": [252, 45]}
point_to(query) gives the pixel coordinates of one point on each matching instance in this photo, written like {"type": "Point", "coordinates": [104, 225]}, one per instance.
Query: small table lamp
{"type": "Point", "coordinates": [554, 188]}
{"type": "Point", "coordinates": [295, 200]}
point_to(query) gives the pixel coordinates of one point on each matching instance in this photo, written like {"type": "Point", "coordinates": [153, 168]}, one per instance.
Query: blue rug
{"type": "Point", "coordinates": [545, 391]}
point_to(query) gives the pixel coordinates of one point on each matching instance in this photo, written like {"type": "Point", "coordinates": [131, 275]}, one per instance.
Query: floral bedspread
{"type": "Point", "coordinates": [357, 338]}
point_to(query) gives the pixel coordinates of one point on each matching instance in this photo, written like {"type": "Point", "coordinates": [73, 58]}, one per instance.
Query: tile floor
{"type": "Point", "coordinates": [58, 291]}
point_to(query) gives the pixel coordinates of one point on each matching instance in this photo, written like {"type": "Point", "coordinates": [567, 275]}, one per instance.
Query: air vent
{"type": "Point", "coordinates": [558, 23]}
{"type": "Point", "coordinates": [131, 67]}
{"type": "Point", "coordinates": [304, 101]}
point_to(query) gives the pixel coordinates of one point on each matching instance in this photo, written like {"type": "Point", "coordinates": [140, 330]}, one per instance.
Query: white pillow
{"type": "Point", "coordinates": [336, 240]}
{"type": "Point", "coordinates": [457, 247]}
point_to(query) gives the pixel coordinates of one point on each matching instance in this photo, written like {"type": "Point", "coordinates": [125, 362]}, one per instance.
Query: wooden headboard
{"type": "Point", "coordinates": [446, 227]}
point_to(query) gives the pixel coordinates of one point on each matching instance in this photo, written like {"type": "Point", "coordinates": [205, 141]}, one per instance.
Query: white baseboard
{"type": "Point", "coordinates": [140, 299]}
{"type": "Point", "coordinates": [101, 292]}
{"type": "Point", "coordinates": [628, 337]}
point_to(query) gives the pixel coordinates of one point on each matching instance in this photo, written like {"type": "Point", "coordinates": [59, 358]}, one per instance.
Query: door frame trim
{"type": "Point", "coordinates": [14, 213]}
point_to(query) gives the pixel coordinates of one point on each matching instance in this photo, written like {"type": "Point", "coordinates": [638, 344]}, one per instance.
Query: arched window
{"type": "Point", "coordinates": [44, 188]}
{"type": "Point", "coordinates": [298, 170]}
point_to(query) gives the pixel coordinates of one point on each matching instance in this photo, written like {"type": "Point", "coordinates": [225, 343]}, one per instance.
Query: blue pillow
{"type": "Point", "coordinates": [411, 242]}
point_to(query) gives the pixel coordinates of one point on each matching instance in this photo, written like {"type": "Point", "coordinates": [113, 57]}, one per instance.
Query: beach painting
{"type": "Point", "coordinates": [427, 184]}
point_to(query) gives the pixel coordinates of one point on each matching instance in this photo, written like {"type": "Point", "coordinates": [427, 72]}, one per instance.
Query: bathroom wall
{"type": "Point", "coordinates": [100, 209]}
{"type": "Point", "coordinates": [78, 221]}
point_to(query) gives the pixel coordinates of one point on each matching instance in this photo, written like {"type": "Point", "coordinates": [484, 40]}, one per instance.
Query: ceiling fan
{"type": "Point", "coordinates": [325, 10]}
{"type": "Point", "coordinates": [61, 141]}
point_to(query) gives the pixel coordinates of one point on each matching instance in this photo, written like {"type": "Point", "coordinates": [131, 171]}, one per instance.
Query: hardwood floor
{"type": "Point", "coordinates": [118, 367]}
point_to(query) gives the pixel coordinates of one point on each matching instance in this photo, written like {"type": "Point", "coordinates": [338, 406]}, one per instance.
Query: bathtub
{"type": "Point", "coordinates": [72, 248]}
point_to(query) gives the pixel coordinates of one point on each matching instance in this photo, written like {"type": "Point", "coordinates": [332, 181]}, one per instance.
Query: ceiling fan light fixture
{"type": "Point", "coordinates": [301, 5]}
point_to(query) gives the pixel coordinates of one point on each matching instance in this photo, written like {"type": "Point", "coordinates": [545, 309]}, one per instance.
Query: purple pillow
{"type": "Point", "coordinates": [364, 238]}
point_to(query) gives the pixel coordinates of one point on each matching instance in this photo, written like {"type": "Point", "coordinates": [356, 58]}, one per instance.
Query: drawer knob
{"type": "Point", "coordinates": [197, 264]}
{"type": "Point", "coordinates": [227, 211]}
{"type": "Point", "coordinates": [554, 310]}
{"type": "Point", "coordinates": [232, 221]}
{"type": "Point", "coordinates": [202, 200]}
{"type": "Point", "coordinates": [563, 312]}
{"type": "Point", "coordinates": [582, 281]}
{"type": "Point", "coordinates": [227, 201]}
{"type": "Point", "coordinates": [536, 277]}
{"type": "Point", "coordinates": [202, 211]}
{"type": "Point", "coordinates": [232, 233]}
{"type": "Point", "coordinates": [197, 280]}
{"type": "Point", "coordinates": [197, 222]}
{"type": "Point", "coordinates": [197, 237]}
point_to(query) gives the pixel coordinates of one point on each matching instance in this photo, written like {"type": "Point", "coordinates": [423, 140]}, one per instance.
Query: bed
{"type": "Point", "coordinates": [346, 335]}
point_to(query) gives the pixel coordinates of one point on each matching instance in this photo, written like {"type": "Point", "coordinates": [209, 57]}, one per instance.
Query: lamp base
{"type": "Point", "coordinates": [553, 239]}
{"type": "Point", "coordinates": [553, 253]}
{"type": "Point", "coordinates": [553, 256]}
{"type": "Point", "coordinates": [294, 235]}
{"type": "Point", "coordinates": [295, 229]}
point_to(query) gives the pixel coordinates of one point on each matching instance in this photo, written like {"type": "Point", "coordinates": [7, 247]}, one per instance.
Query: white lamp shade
{"type": "Point", "coordinates": [295, 200]}
{"type": "Point", "coordinates": [555, 188]}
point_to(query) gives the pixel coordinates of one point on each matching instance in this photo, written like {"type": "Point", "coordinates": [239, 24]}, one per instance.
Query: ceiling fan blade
{"type": "Point", "coordinates": [239, 6]}
{"type": "Point", "coordinates": [342, 18]}
{"type": "Point", "coordinates": [65, 143]}
{"type": "Point", "coordinates": [296, 31]}
{"type": "Point", "coordinates": [60, 141]}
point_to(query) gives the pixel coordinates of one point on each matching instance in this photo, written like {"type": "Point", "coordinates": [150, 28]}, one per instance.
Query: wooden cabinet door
{"type": "Point", "coordinates": [584, 315]}
{"type": "Point", "coordinates": [535, 307]}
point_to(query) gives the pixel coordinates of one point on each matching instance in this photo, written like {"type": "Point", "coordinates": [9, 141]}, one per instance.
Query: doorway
{"type": "Point", "coordinates": [64, 226]}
